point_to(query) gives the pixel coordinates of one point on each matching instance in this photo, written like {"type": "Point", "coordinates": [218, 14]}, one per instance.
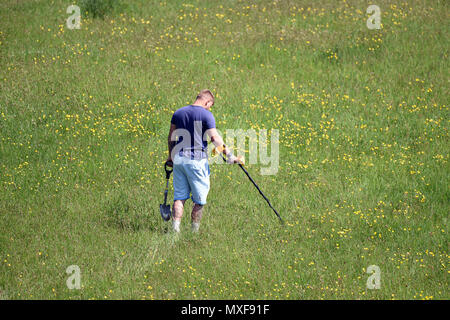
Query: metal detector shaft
{"type": "Point", "coordinates": [256, 186]}
{"type": "Point", "coordinates": [265, 198]}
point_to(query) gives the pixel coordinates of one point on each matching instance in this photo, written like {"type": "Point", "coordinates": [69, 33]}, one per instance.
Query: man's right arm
{"type": "Point", "coordinates": [217, 140]}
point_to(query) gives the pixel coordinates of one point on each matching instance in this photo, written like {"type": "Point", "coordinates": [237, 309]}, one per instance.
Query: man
{"type": "Point", "coordinates": [188, 154]}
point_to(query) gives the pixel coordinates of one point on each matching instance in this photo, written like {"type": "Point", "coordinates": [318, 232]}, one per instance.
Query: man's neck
{"type": "Point", "coordinates": [198, 103]}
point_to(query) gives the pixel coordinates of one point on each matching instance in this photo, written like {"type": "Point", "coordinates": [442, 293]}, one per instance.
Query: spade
{"type": "Point", "coordinates": [164, 209]}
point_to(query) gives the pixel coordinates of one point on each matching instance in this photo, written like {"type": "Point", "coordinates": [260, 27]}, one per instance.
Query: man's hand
{"type": "Point", "coordinates": [221, 148]}
{"type": "Point", "coordinates": [234, 159]}
{"type": "Point", "coordinates": [169, 162]}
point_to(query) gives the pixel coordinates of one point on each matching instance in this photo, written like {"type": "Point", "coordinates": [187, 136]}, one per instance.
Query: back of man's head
{"type": "Point", "coordinates": [205, 95]}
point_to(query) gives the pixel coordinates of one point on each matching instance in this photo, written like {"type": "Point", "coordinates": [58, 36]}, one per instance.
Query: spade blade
{"type": "Point", "coordinates": [165, 211]}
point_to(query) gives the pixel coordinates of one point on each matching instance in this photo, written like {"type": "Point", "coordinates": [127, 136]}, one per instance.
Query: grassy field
{"type": "Point", "coordinates": [363, 175]}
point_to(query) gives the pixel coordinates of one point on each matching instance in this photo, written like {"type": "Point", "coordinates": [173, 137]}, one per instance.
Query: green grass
{"type": "Point", "coordinates": [363, 177]}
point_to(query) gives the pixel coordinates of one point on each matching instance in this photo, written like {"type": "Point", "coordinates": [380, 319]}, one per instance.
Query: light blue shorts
{"type": "Point", "coordinates": [190, 176]}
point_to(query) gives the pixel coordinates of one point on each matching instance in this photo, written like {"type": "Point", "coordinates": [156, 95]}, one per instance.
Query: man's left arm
{"type": "Point", "coordinates": [171, 143]}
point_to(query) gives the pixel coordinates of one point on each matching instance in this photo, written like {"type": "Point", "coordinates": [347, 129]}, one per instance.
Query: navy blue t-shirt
{"type": "Point", "coordinates": [195, 120]}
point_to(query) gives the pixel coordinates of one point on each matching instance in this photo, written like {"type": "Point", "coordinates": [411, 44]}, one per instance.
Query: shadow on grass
{"type": "Point", "coordinates": [132, 215]}
{"type": "Point", "coordinates": [102, 8]}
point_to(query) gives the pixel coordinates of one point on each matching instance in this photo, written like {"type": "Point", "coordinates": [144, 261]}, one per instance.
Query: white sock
{"type": "Point", "coordinates": [195, 226]}
{"type": "Point", "coordinates": [176, 225]}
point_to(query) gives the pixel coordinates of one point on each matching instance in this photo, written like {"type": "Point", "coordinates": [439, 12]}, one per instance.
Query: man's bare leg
{"type": "Point", "coordinates": [178, 208]}
{"type": "Point", "coordinates": [196, 216]}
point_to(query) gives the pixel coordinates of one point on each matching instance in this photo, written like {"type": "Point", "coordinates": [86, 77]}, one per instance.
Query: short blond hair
{"type": "Point", "coordinates": [205, 94]}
